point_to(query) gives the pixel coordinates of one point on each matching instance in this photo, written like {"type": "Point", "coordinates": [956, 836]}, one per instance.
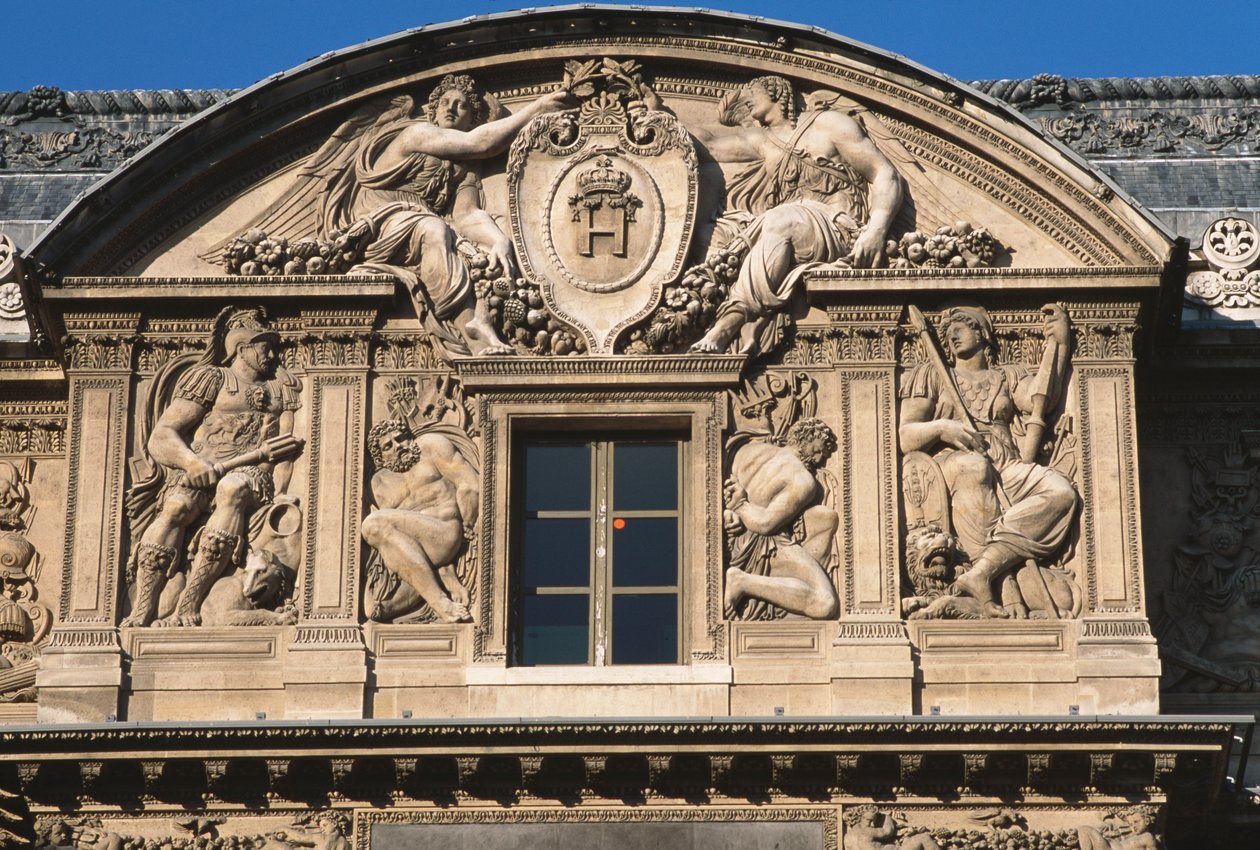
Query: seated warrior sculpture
{"type": "Point", "coordinates": [427, 503]}
{"type": "Point", "coordinates": [817, 190]}
{"type": "Point", "coordinates": [1007, 510]}
{"type": "Point", "coordinates": [780, 536]}
{"type": "Point", "coordinates": [223, 445]}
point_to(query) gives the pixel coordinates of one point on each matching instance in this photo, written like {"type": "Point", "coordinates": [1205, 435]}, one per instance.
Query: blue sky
{"type": "Point", "coordinates": [78, 44]}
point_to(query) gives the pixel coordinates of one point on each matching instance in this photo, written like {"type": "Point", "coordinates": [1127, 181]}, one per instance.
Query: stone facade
{"type": "Point", "coordinates": [620, 426]}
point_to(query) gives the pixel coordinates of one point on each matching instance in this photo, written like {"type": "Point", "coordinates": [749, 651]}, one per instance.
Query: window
{"type": "Point", "coordinates": [598, 543]}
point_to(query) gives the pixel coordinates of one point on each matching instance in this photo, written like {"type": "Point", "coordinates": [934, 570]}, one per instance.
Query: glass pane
{"type": "Point", "coordinates": [558, 477]}
{"type": "Point", "coordinates": [555, 629]}
{"type": "Point", "coordinates": [645, 551]}
{"type": "Point", "coordinates": [645, 477]}
{"type": "Point", "coordinates": [556, 553]}
{"type": "Point", "coordinates": [645, 629]}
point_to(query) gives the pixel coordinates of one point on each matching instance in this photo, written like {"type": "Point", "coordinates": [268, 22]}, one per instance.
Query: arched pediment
{"type": "Point", "coordinates": [963, 155]}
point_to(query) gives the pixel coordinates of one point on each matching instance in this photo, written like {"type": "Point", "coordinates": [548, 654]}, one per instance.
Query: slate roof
{"type": "Point", "coordinates": [1187, 148]}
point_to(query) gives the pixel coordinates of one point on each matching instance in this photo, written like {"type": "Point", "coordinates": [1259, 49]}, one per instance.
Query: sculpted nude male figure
{"type": "Point", "coordinates": [427, 496]}
{"type": "Point", "coordinates": [770, 488]}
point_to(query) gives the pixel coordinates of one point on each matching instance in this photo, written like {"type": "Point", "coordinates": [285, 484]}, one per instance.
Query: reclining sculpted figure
{"type": "Point", "coordinates": [815, 190]}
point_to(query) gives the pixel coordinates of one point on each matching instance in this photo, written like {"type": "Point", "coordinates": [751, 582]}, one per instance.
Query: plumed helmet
{"type": "Point", "coordinates": [246, 326]}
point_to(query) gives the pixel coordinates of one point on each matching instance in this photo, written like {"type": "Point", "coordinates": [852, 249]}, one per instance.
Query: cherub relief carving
{"type": "Point", "coordinates": [1209, 629]}
{"type": "Point", "coordinates": [427, 495]}
{"type": "Point", "coordinates": [780, 530]}
{"type": "Point", "coordinates": [867, 828]}
{"type": "Point", "coordinates": [323, 831]}
{"type": "Point", "coordinates": [1011, 515]}
{"type": "Point", "coordinates": [406, 190]}
{"type": "Point", "coordinates": [218, 441]}
{"type": "Point", "coordinates": [815, 190]}
{"type": "Point", "coordinates": [1126, 829]}
{"type": "Point", "coordinates": [24, 620]}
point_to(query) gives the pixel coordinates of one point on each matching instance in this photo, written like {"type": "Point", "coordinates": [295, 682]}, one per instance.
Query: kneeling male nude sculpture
{"type": "Point", "coordinates": [426, 494]}
{"type": "Point", "coordinates": [780, 535]}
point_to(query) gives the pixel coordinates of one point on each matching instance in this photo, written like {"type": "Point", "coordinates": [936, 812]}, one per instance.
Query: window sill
{"type": "Point", "coordinates": [647, 674]}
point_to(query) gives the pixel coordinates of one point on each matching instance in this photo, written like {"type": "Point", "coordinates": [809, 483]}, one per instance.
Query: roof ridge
{"type": "Point", "coordinates": [1052, 88]}
{"type": "Point", "coordinates": [50, 101]}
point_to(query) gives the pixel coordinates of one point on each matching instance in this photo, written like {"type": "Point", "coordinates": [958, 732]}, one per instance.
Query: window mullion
{"type": "Point", "coordinates": [599, 583]}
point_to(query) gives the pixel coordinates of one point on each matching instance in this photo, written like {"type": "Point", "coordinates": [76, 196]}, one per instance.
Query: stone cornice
{"type": "Point", "coordinates": [511, 373]}
{"type": "Point", "coordinates": [349, 737]}
{"type": "Point", "coordinates": [988, 279]}
{"type": "Point", "coordinates": [354, 287]}
{"type": "Point", "coordinates": [1037, 759]}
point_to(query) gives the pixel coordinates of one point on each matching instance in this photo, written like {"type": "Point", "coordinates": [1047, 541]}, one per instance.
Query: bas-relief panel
{"type": "Point", "coordinates": [877, 463]}
{"type": "Point", "coordinates": [1205, 581]}
{"type": "Point", "coordinates": [814, 827]}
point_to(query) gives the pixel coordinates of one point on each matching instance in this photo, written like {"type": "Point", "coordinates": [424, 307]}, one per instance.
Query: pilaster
{"type": "Point", "coordinates": [81, 673]}
{"type": "Point", "coordinates": [327, 668]}
{"type": "Point", "coordinates": [872, 671]}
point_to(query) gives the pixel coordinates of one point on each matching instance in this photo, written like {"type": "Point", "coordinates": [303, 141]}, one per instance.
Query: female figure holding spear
{"type": "Point", "coordinates": [1006, 509]}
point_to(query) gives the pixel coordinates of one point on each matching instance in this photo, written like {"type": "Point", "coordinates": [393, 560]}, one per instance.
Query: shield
{"type": "Point", "coordinates": [602, 208]}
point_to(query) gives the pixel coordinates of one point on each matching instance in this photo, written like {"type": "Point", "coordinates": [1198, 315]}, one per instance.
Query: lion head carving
{"type": "Point", "coordinates": [932, 561]}
{"type": "Point", "coordinates": [265, 582]}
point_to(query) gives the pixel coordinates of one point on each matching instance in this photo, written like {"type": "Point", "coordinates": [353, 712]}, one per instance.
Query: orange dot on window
{"type": "Point", "coordinates": [619, 523]}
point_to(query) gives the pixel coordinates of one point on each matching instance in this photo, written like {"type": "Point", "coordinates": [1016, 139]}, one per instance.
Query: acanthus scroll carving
{"type": "Point", "coordinates": [990, 516]}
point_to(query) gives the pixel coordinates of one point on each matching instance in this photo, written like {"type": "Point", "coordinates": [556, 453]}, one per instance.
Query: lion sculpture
{"type": "Point", "coordinates": [257, 594]}
{"type": "Point", "coordinates": [934, 561]}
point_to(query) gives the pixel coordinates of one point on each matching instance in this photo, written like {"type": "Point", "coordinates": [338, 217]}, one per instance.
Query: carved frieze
{"type": "Point", "coordinates": [32, 428]}
{"type": "Point", "coordinates": [1155, 132]}
{"type": "Point", "coordinates": [100, 341]}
